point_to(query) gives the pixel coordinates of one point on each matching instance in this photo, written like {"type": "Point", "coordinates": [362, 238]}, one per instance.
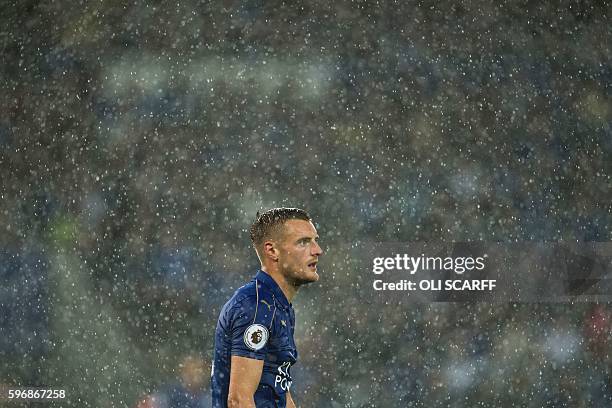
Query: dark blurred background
{"type": "Point", "coordinates": [138, 140]}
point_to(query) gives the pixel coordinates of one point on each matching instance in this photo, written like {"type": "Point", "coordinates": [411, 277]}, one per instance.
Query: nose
{"type": "Point", "coordinates": [316, 249]}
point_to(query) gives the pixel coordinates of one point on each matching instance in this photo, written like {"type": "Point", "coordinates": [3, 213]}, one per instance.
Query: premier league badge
{"type": "Point", "coordinates": [256, 336]}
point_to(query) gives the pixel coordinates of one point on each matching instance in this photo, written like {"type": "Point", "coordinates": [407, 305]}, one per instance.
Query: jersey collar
{"type": "Point", "coordinates": [271, 284]}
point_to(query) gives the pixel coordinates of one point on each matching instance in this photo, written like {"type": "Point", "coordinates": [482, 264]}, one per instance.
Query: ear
{"type": "Point", "coordinates": [270, 251]}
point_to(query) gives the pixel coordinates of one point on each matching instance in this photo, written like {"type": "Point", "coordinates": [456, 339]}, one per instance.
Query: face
{"type": "Point", "coordinates": [298, 252]}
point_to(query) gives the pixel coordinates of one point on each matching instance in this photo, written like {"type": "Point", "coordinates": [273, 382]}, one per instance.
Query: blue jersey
{"type": "Point", "coordinates": [257, 322]}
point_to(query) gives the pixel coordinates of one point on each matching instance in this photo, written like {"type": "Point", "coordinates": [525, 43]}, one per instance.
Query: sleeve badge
{"type": "Point", "coordinates": [256, 337]}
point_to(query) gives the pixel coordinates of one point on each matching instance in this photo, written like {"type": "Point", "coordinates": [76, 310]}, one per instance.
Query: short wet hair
{"type": "Point", "coordinates": [271, 221]}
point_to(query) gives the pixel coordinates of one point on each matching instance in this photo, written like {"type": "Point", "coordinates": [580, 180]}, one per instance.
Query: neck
{"type": "Point", "coordinates": [289, 290]}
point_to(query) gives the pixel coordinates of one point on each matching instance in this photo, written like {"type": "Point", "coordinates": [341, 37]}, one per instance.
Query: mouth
{"type": "Point", "coordinates": [313, 265]}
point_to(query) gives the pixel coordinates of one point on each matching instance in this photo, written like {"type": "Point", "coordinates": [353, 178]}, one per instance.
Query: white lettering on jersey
{"type": "Point", "coordinates": [282, 378]}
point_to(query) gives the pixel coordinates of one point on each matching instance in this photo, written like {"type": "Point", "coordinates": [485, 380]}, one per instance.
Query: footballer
{"type": "Point", "coordinates": [254, 345]}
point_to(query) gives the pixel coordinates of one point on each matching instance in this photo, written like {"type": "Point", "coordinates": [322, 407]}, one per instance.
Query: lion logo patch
{"type": "Point", "coordinates": [256, 337]}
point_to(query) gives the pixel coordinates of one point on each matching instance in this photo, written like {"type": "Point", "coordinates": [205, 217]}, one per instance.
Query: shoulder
{"type": "Point", "coordinates": [250, 299]}
{"type": "Point", "coordinates": [244, 296]}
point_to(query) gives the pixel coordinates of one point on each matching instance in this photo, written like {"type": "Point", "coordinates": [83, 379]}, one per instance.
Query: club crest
{"type": "Point", "coordinates": [255, 337]}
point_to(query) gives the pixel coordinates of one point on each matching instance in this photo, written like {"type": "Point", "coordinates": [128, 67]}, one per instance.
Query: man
{"type": "Point", "coordinates": [254, 345]}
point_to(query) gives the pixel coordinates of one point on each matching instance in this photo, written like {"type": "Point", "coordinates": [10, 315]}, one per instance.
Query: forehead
{"type": "Point", "coordinates": [302, 228]}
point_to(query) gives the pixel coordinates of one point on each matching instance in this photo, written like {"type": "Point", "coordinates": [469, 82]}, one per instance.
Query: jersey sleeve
{"type": "Point", "coordinates": [250, 328]}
